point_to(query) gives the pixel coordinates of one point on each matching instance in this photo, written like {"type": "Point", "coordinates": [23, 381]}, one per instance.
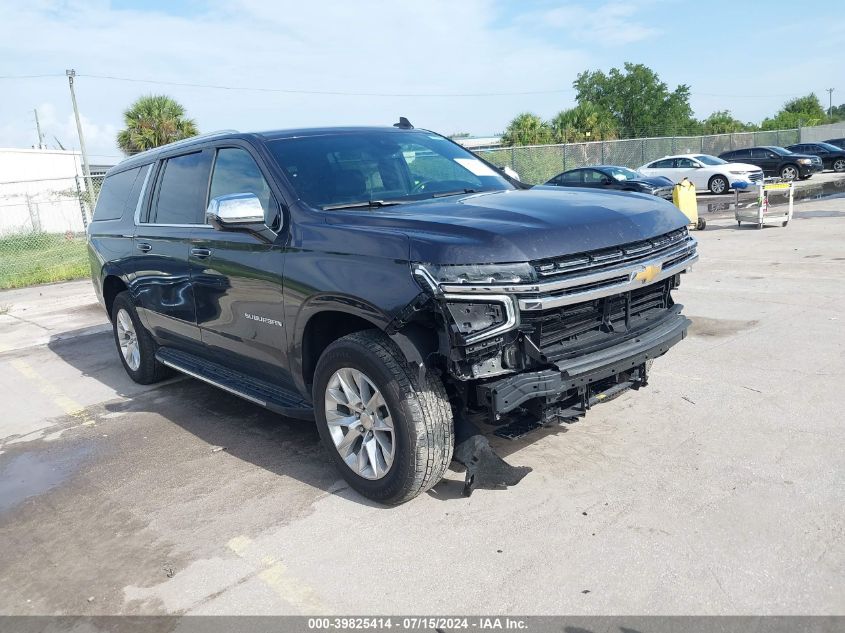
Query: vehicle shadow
{"type": "Point", "coordinates": [284, 446]}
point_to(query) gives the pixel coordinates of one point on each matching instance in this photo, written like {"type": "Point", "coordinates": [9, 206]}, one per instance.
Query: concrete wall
{"type": "Point", "coordinates": [38, 191]}
{"type": "Point", "coordinates": [823, 132]}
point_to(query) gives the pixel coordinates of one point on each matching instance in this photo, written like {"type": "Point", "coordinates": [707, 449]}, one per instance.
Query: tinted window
{"type": "Point", "coordinates": [343, 168]}
{"type": "Point", "coordinates": [663, 164]}
{"type": "Point", "coordinates": [235, 171]}
{"type": "Point", "coordinates": [114, 195]}
{"type": "Point", "coordinates": [571, 178]}
{"type": "Point", "coordinates": [761, 152]}
{"type": "Point", "coordinates": [684, 163]}
{"type": "Point", "coordinates": [740, 153]}
{"type": "Point", "coordinates": [593, 177]}
{"type": "Point", "coordinates": [183, 184]}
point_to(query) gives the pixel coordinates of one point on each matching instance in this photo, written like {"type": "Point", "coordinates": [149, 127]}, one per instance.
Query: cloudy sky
{"type": "Point", "coordinates": [300, 63]}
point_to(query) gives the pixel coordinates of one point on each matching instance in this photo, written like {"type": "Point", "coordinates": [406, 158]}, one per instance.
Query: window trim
{"type": "Point", "coordinates": [263, 171]}
{"type": "Point", "coordinates": [159, 166]}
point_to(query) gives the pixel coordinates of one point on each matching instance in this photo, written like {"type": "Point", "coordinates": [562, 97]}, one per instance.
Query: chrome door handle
{"type": "Point", "coordinates": [202, 253]}
{"type": "Point", "coordinates": [143, 247]}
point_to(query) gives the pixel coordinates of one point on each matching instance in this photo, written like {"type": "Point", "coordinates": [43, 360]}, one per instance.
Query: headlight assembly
{"type": "Point", "coordinates": [477, 317]}
{"type": "Point", "coordinates": [805, 161]}
{"type": "Point", "coordinates": [480, 274]}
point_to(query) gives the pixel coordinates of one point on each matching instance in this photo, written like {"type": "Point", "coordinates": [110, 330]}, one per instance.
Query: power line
{"type": "Point", "coordinates": [29, 76]}
{"type": "Point", "coordinates": [346, 93]}
{"type": "Point", "coordinates": [342, 93]}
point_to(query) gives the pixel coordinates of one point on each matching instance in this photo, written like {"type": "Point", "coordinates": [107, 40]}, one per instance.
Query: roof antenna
{"type": "Point", "coordinates": [404, 124]}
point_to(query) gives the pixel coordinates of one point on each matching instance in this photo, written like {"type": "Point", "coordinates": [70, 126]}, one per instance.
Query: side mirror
{"type": "Point", "coordinates": [236, 210]}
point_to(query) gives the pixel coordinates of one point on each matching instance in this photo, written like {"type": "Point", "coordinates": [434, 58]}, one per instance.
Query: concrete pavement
{"type": "Point", "coordinates": [717, 490]}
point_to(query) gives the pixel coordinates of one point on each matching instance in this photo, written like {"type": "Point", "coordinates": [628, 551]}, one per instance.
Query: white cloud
{"type": "Point", "coordinates": [367, 46]}
{"type": "Point", "coordinates": [607, 25]}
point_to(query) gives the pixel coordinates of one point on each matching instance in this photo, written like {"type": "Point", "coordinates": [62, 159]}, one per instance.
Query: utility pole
{"type": "Point", "coordinates": [85, 170]}
{"type": "Point", "coordinates": [38, 129]}
{"type": "Point", "coordinates": [829, 101]}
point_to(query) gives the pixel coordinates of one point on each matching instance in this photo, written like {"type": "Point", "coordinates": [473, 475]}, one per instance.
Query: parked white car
{"type": "Point", "coordinates": [707, 173]}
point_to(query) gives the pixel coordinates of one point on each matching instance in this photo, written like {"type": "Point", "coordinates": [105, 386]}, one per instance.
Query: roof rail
{"type": "Point", "coordinates": [186, 141]}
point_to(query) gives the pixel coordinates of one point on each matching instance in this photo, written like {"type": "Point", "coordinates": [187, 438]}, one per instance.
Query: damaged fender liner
{"type": "Point", "coordinates": [505, 395]}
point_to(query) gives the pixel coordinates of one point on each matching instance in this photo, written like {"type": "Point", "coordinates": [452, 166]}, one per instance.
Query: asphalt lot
{"type": "Point", "coordinates": [719, 489]}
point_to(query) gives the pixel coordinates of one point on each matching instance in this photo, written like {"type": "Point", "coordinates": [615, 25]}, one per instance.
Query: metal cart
{"type": "Point", "coordinates": [763, 213]}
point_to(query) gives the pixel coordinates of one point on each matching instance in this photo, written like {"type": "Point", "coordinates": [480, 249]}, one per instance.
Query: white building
{"type": "Point", "coordinates": [38, 191]}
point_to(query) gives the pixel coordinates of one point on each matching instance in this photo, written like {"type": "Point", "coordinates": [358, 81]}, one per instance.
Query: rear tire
{"type": "Point", "coordinates": [718, 185]}
{"type": "Point", "coordinates": [422, 437]}
{"type": "Point", "coordinates": [701, 224]}
{"type": "Point", "coordinates": [135, 346]}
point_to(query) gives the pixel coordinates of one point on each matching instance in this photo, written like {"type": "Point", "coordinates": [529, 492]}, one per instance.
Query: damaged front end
{"type": "Point", "coordinates": [538, 343]}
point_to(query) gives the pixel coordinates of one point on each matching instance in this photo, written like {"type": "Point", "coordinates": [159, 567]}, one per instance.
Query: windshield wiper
{"type": "Point", "coordinates": [444, 194]}
{"type": "Point", "coordinates": [364, 204]}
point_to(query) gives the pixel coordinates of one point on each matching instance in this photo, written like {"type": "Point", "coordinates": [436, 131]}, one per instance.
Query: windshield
{"type": "Point", "coordinates": [339, 169]}
{"type": "Point", "coordinates": [779, 150]}
{"type": "Point", "coordinates": [829, 147]}
{"type": "Point", "coordinates": [710, 160]}
{"type": "Point", "coordinates": [623, 173]}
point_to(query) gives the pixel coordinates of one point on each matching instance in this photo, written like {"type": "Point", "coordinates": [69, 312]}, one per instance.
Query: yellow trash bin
{"type": "Point", "coordinates": [683, 195]}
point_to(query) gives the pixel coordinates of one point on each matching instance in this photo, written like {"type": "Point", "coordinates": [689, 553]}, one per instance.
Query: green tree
{"type": "Point", "coordinates": [527, 129]}
{"type": "Point", "coordinates": [584, 122]}
{"type": "Point", "coordinates": [152, 121]}
{"type": "Point", "coordinates": [636, 99]}
{"type": "Point", "coordinates": [801, 111]}
{"type": "Point", "coordinates": [723, 122]}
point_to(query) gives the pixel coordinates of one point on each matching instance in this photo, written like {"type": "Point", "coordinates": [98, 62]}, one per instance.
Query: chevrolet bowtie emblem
{"type": "Point", "coordinates": [647, 274]}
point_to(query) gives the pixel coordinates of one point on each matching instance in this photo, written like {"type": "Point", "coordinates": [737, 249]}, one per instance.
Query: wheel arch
{"type": "Point", "coordinates": [113, 283]}
{"type": "Point", "coordinates": [322, 320]}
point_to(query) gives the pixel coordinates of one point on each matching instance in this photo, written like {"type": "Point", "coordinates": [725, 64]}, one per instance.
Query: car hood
{"type": "Point", "coordinates": [741, 167]}
{"type": "Point", "coordinates": [653, 181]}
{"type": "Point", "coordinates": [521, 225]}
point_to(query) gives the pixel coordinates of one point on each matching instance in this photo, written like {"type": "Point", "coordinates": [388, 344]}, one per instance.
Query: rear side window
{"type": "Point", "coordinates": [115, 195]}
{"type": "Point", "coordinates": [182, 189]}
{"type": "Point", "coordinates": [235, 171]}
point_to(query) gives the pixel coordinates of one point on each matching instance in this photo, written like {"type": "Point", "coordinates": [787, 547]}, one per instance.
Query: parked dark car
{"type": "Point", "coordinates": [388, 284]}
{"type": "Point", "coordinates": [614, 178]}
{"type": "Point", "coordinates": [832, 157]}
{"type": "Point", "coordinates": [777, 161]}
{"type": "Point", "coordinates": [839, 142]}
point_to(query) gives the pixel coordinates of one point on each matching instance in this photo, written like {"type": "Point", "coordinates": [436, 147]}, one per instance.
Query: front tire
{"type": "Point", "coordinates": [388, 431]}
{"type": "Point", "coordinates": [135, 346]}
{"type": "Point", "coordinates": [789, 172]}
{"type": "Point", "coordinates": [839, 165]}
{"type": "Point", "coordinates": [718, 185]}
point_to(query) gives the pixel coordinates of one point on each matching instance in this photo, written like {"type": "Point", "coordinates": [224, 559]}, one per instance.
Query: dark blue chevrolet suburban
{"type": "Point", "coordinates": [386, 283]}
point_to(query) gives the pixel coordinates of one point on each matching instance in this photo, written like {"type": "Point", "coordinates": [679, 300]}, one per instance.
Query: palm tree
{"type": "Point", "coordinates": [152, 121]}
{"type": "Point", "coordinates": [527, 129]}
{"type": "Point", "coordinates": [584, 122]}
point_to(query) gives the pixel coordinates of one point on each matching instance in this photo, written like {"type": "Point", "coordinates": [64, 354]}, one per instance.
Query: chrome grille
{"type": "Point", "coordinates": [596, 260]}
{"type": "Point", "coordinates": [756, 176]}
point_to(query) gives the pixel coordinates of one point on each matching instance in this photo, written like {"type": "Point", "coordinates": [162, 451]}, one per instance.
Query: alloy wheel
{"type": "Point", "coordinates": [360, 423]}
{"type": "Point", "coordinates": [839, 165]}
{"type": "Point", "coordinates": [128, 340]}
{"type": "Point", "coordinates": [789, 173]}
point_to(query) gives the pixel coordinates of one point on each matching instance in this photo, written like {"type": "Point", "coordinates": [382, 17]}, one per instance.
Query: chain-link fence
{"type": "Point", "coordinates": [536, 164]}
{"type": "Point", "coordinates": [42, 230]}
